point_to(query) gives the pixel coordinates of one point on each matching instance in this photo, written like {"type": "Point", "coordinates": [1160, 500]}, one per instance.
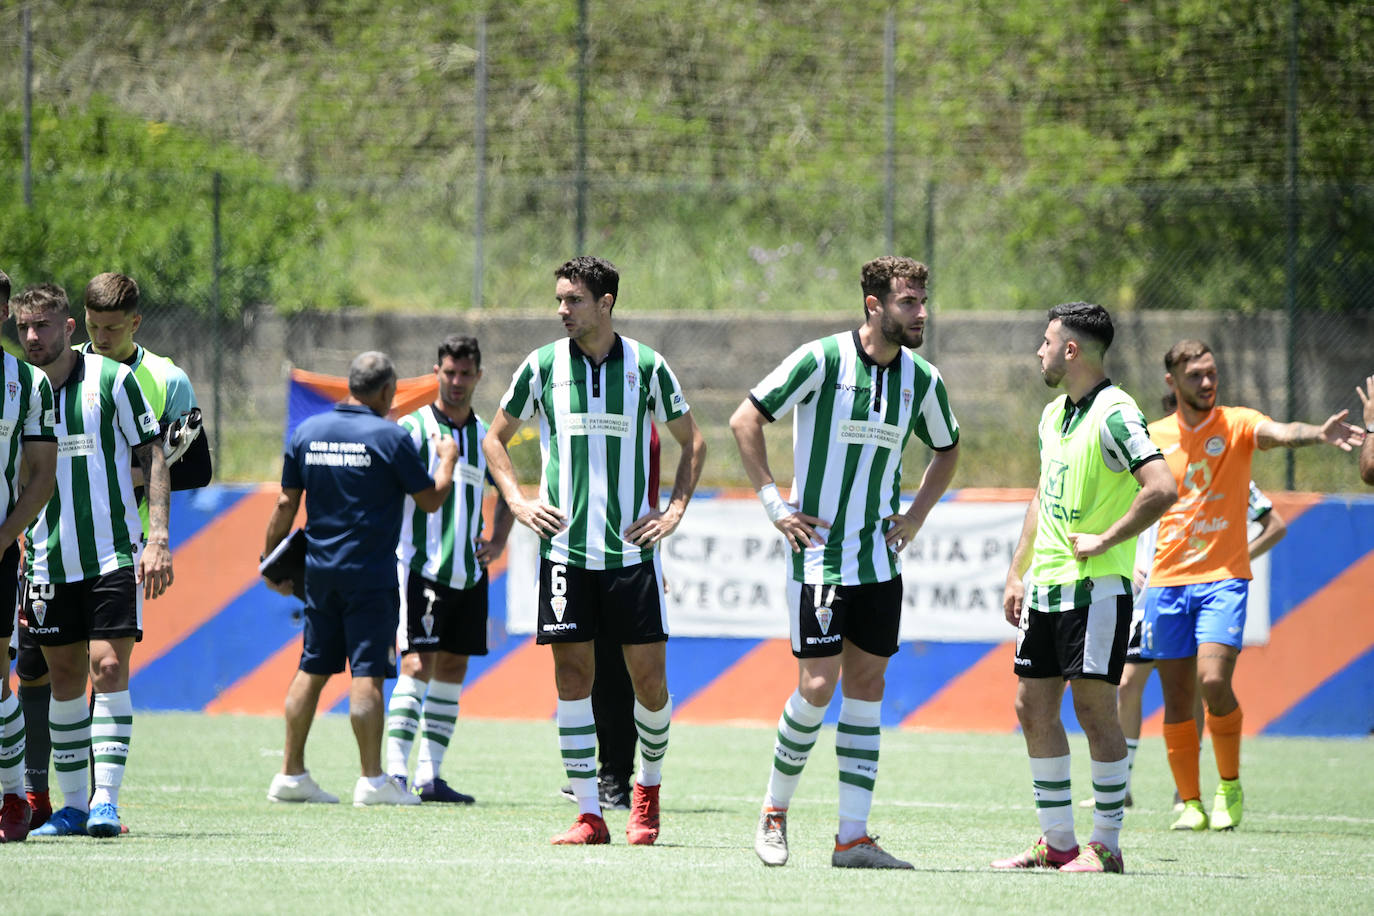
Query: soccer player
{"type": "Point", "coordinates": [1195, 605]}
{"type": "Point", "coordinates": [354, 468]}
{"type": "Point", "coordinates": [859, 396]}
{"type": "Point", "coordinates": [29, 446]}
{"type": "Point", "coordinates": [1101, 484]}
{"type": "Point", "coordinates": [443, 560]}
{"type": "Point", "coordinates": [1367, 450]}
{"type": "Point", "coordinates": [1269, 528]}
{"type": "Point", "coordinates": [596, 394]}
{"type": "Point", "coordinates": [112, 318]}
{"type": "Point", "coordinates": [87, 552]}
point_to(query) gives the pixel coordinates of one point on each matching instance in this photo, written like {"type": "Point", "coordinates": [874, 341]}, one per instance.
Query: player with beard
{"type": "Point", "coordinates": [859, 397]}
{"type": "Point", "coordinates": [1199, 582]}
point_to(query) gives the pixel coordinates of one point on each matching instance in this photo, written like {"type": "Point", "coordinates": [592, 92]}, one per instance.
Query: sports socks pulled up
{"type": "Point", "coordinates": [402, 722]}
{"type": "Point", "coordinates": [857, 736]}
{"type": "Point", "coordinates": [69, 722]}
{"type": "Point", "coordinates": [652, 727]}
{"type": "Point", "coordinates": [437, 722]}
{"type": "Point", "coordinates": [577, 743]}
{"type": "Point", "coordinates": [797, 729]}
{"type": "Point", "coordinates": [112, 725]}
{"type": "Point", "coordinates": [1226, 742]}
{"type": "Point", "coordinates": [11, 746]}
{"type": "Point", "coordinates": [1109, 794]}
{"type": "Point", "coordinates": [1182, 744]}
{"type": "Point", "coordinates": [1053, 800]}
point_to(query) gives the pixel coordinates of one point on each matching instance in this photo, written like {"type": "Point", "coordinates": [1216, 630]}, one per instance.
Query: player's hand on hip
{"type": "Point", "coordinates": [652, 527]}
{"type": "Point", "coordinates": [155, 569]}
{"type": "Point", "coordinates": [903, 529]}
{"type": "Point", "coordinates": [540, 517]}
{"type": "Point", "coordinates": [800, 530]}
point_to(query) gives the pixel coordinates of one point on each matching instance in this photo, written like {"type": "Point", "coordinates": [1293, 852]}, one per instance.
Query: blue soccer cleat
{"type": "Point", "coordinates": [64, 822]}
{"type": "Point", "coordinates": [103, 821]}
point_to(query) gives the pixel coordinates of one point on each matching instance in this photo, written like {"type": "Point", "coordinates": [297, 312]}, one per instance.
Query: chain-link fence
{"type": "Point", "coordinates": [242, 161]}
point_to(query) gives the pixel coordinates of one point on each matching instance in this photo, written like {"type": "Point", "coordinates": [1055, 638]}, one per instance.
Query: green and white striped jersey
{"type": "Point", "coordinates": [594, 429]}
{"type": "Point", "coordinates": [853, 419]}
{"type": "Point", "coordinates": [91, 525]}
{"type": "Point", "coordinates": [439, 545]}
{"type": "Point", "coordinates": [26, 414]}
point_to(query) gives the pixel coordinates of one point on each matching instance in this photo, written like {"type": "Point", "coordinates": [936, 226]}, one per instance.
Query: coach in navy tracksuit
{"type": "Point", "coordinates": [355, 468]}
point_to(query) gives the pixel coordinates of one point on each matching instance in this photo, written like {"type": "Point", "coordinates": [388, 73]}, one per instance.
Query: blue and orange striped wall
{"type": "Point", "coordinates": [221, 642]}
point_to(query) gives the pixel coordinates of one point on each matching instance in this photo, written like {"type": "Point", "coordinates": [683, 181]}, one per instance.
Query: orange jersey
{"type": "Point", "coordinates": [1202, 537]}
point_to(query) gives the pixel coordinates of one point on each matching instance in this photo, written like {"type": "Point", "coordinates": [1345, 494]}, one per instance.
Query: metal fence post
{"type": "Point", "coordinates": [1291, 242]}
{"type": "Point", "coordinates": [581, 176]}
{"type": "Point", "coordinates": [216, 312]}
{"type": "Point", "coordinates": [480, 153]}
{"type": "Point", "coordinates": [890, 119]}
{"type": "Point", "coordinates": [28, 109]}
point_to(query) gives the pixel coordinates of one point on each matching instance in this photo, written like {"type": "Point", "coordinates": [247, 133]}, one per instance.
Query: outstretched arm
{"type": "Point", "coordinates": [1335, 431]}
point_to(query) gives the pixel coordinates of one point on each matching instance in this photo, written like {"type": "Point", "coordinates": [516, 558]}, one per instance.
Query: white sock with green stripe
{"type": "Point", "coordinates": [402, 722]}
{"type": "Point", "coordinates": [11, 745]}
{"type": "Point", "coordinates": [1053, 800]}
{"type": "Point", "coordinates": [112, 724]}
{"type": "Point", "coordinates": [857, 736]}
{"type": "Point", "coordinates": [1109, 790]}
{"type": "Point", "coordinates": [436, 728]}
{"type": "Point", "coordinates": [69, 723]}
{"type": "Point", "coordinates": [797, 730]}
{"type": "Point", "coordinates": [577, 739]}
{"type": "Point", "coordinates": [652, 727]}
{"type": "Point", "coordinates": [1131, 745]}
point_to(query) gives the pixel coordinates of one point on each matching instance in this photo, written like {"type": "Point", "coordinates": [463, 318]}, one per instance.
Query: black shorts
{"type": "Point", "coordinates": [357, 625]}
{"type": "Point", "coordinates": [108, 606]}
{"type": "Point", "coordinates": [1133, 655]}
{"type": "Point", "coordinates": [9, 591]}
{"type": "Point", "coordinates": [822, 617]}
{"type": "Point", "coordinates": [437, 618]}
{"type": "Point", "coordinates": [624, 604]}
{"type": "Point", "coordinates": [1085, 642]}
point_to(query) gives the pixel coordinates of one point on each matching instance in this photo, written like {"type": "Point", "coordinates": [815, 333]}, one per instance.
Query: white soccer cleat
{"type": "Point", "coordinates": [299, 789]}
{"type": "Point", "coordinates": [390, 792]}
{"type": "Point", "coordinates": [770, 840]}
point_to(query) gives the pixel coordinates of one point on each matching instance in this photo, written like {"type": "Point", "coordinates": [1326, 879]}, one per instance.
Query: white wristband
{"type": "Point", "coordinates": [773, 503]}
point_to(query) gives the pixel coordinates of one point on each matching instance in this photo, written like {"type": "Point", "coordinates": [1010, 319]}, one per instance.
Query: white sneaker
{"type": "Point", "coordinates": [298, 789]}
{"type": "Point", "coordinates": [770, 839]}
{"type": "Point", "coordinates": [390, 792]}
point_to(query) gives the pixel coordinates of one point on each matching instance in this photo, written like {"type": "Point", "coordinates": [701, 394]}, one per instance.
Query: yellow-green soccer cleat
{"type": "Point", "coordinates": [1192, 818]}
{"type": "Point", "coordinates": [1226, 807]}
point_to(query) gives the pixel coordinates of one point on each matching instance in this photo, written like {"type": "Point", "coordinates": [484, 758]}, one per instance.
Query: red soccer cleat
{"type": "Point", "coordinates": [642, 829]}
{"type": "Point", "coordinates": [1040, 855]}
{"type": "Point", "coordinates": [41, 806]}
{"type": "Point", "coordinates": [587, 830]}
{"type": "Point", "coordinates": [14, 819]}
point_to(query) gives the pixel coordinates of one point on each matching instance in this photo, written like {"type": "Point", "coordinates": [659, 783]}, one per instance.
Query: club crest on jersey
{"type": "Point", "coordinates": [13, 389]}
{"type": "Point", "coordinates": [560, 606]}
{"type": "Point", "coordinates": [906, 397]}
{"type": "Point", "coordinates": [1214, 446]}
{"type": "Point", "coordinates": [39, 609]}
{"type": "Point", "coordinates": [92, 398]}
{"type": "Point", "coordinates": [631, 380]}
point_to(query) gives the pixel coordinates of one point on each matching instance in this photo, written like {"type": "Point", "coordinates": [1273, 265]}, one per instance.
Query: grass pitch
{"type": "Point", "coordinates": [205, 839]}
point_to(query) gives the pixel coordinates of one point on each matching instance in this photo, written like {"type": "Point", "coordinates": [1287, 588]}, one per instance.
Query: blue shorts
{"type": "Point", "coordinates": [350, 623]}
{"type": "Point", "coordinates": [1178, 618]}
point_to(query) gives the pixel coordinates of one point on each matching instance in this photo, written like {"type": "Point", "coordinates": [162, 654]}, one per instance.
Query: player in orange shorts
{"type": "Point", "coordinates": [1195, 604]}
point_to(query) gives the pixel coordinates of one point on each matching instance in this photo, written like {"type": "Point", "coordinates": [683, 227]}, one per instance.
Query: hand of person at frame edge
{"type": "Point", "coordinates": [541, 518]}
{"type": "Point", "coordinates": [800, 530]}
{"type": "Point", "coordinates": [1340, 434]}
{"type": "Point", "coordinates": [1367, 399]}
{"type": "Point", "coordinates": [486, 551]}
{"type": "Point", "coordinates": [1013, 597]}
{"type": "Point", "coordinates": [285, 587]}
{"type": "Point", "coordinates": [155, 569]}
